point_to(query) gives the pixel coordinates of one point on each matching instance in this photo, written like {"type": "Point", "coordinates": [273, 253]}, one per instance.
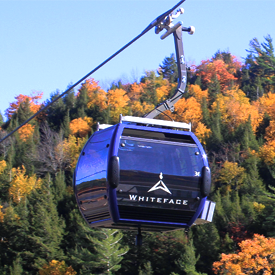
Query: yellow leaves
{"type": "Point", "coordinates": [117, 98]}
{"type": "Point", "coordinates": [21, 184]}
{"type": "Point", "coordinates": [72, 147]}
{"type": "Point", "coordinates": [139, 109]}
{"type": "Point", "coordinates": [256, 257]}
{"type": "Point", "coordinates": [267, 151]}
{"type": "Point", "coordinates": [117, 102]}
{"type": "Point", "coordinates": [236, 109]}
{"type": "Point", "coordinates": [26, 132]}
{"type": "Point", "coordinates": [258, 207]}
{"type": "Point", "coordinates": [267, 103]}
{"type": "Point", "coordinates": [81, 126]}
{"type": "Point", "coordinates": [202, 132]}
{"type": "Point", "coordinates": [270, 131]}
{"type": "Point", "coordinates": [3, 166]}
{"type": "Point", "coordinates": [162, 92]}
{"type": "Point", "coordinates": [196, 91]}
{"type": "Point", "coordinates": [56, 268]}
{"type": "Point", "coordinates": [231, 174]}
{"type": "Point", "coordinates": [96, 95]}
{"type": "Point", "coordinates": [8, 214]}
{"type": "Point", "coordinates": [188, 110]}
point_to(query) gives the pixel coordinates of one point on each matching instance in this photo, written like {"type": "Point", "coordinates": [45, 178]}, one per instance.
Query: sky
{"type": "Point", "coordinates": [47, 45]}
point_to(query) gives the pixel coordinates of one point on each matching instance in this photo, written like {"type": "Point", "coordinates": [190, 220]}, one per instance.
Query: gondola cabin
{"type": "Point", "coordinates": [143, 173]}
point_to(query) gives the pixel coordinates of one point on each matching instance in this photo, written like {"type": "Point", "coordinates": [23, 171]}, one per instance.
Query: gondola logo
{"type": "Point", "coordinates": [160, 185]}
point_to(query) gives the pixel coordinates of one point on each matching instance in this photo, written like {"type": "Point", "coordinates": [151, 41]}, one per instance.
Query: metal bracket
{"type": "Point", "coordinates": [176, 30]}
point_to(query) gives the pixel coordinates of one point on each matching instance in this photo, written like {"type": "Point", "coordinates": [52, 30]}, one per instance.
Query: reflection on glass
{"type": "Point", "coordinates": [169, 158]}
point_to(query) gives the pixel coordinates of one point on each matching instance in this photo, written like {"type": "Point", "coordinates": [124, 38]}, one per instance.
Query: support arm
{"type": "Point", "coordinates": [181, 65]}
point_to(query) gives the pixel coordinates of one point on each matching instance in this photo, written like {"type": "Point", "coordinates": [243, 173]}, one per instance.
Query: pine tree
{"type": "Point", "coordinates": [110, 253]}
{"type": "Point", "coordinates": [56, 112]}
{"type": "Point", "coordinates": [16, 268]}
{"type": "Point", "coordinates": [1, 119]}
{"type": "Point", "coordinates": [187, 263]}
{"type": "Point", "coordinates": [258, 73]}
{"type": "Point", "coordinates": [169, 69]}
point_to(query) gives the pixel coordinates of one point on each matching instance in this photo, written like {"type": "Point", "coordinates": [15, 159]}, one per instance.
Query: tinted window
{"type": "Point", "coordinates": [159, 156]}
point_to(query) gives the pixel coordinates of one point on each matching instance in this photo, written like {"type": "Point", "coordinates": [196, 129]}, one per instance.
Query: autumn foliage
{"type": "Point", "coordinates": [33, 101]}
{"type": "Point", "coordinates": [81, 126]}
{"type": "Point", "coordinates": [218, 68]}
{"type": "Point", "coordinates": [256, 256]}
{"type": "Point", "coordinates": [231, 107]}
{"type": "Point", "coordinates": [26, 132]}
{"type": "Point", "coordinates": [22, 184]}
{"type": "Point", "coordinates": [56, 268]}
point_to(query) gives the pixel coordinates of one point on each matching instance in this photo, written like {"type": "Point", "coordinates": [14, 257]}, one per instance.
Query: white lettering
{"type": "Point", "coordinates": [133, 197]}
{"type": "Point", "coordinates": [157, 200]}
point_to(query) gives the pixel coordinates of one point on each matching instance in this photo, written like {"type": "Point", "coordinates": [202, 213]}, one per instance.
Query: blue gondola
{"type": "Point", "coordinates": [143, 172]}
{"type": "Point", "coordinates": [138, 174]}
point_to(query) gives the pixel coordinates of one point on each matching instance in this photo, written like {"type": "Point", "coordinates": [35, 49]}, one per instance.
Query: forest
{"type": "Point", "coordinates": [231, 105]}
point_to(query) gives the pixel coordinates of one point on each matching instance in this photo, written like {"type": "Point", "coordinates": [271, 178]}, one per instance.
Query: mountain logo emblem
{"type": "Point", "coordinates": [160, 185]}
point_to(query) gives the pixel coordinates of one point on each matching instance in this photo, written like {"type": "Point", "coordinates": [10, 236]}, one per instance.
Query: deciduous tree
{"type": "Point", "coordinates": [256, 256]}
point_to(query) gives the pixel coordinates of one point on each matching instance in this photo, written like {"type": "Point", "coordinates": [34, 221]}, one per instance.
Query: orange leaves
{"type": "Point", "coordinates": [210, 69]}
{"type": "Point", "coordinates": [117, 102]}
{"type": "Point", "coordinates": [196, 91]}
{"type": "Point", "coordinates": [56, 268]}
{"type": "Point", "coordinates": [267, 103]}
{"type": "Point", "coordinates": [33, 101]}
{"type": "Point", "coordinates": [267, 151]}
{"type": "Point", "coordinates": [256, 256]}
{"type": "Point", "coordinates": [96, 95]}
{"type": "Point", "coordinates": [188, 110]}
{"type": "Point", "coordinates": [135, 92]}
{"type": "Point", "coordinates": [236, 109]}
{"type": "Point", "coordinates": [117, 98]}
{"type": "Point", "coordinates": [26, 132]}
{"type": "Point", "coordinates": [202, 132]}
{"type": "Point", "coordinates": [81, 126]}
{"type": "Point", "coordinates": [21, 184]}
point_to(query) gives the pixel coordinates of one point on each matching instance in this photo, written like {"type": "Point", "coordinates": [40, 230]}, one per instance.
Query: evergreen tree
{"type": "Point", "coordinates": [16, 268]}
{"type": "Point", "coordinates": [109, 251]}
{"type": "Point", "coordinates": [258, 72]}
{"type": "Point", "coordinates": [169, 69]}
{"type": "Point", "coordinates": [1, 119]}
{"type": "Point", "coordinates": [205, 238]}
{"type": "Point", "coordinates": [213, 89]}
{"type": "Point", "coordinates": [147, 270]}
{"type": "Point", "coordinates": [56, 112]}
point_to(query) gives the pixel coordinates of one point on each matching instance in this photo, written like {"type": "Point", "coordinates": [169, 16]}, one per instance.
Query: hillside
{"type": "Point", "coordinates": [231, 105]}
